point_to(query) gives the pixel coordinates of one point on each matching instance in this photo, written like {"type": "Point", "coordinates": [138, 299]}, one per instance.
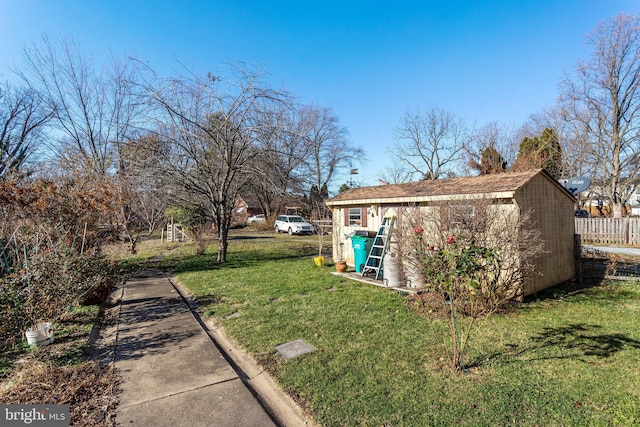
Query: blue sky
{"type": "Point", "coordinates": [369, 61]}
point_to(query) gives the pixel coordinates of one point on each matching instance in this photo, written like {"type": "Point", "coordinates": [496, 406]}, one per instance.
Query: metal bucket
{"type": "Point", "coordinates": [413, 274]}
{"type": "Point", "coordinates": [392, 270]}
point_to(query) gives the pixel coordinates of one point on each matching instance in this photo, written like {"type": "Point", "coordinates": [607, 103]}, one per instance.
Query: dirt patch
{"type": "Point", "coordinates": [428, 304]}
{"type": "Point", "coordinates": [63, 373]}
{"type": "Point", "coordinates": [89, 389]}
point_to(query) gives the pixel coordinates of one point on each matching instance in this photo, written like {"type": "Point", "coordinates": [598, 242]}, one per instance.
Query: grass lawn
{"type": "Point", "coordinates": [567, 358]}
{"type": "Point", "coordinates": [61, 373]}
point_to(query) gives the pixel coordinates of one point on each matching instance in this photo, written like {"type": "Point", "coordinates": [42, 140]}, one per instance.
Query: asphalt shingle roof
{"type": "Point", "coordinates": [483, 184]}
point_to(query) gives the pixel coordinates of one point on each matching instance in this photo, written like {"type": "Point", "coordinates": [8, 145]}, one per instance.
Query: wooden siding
{"type": "Point", "coordinates": [621, 231]}
{"type": "Point", "coordinates": [342, 246]}
{"type": "Point", "coordinates": [552, 213]}
{"type": "Point", "coordinates": [551, 205]}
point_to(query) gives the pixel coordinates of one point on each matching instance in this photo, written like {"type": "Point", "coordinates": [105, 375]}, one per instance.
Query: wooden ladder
{"type": "Point", "coordinates": [379, 248]}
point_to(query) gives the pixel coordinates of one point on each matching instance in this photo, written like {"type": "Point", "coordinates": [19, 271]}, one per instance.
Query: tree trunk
{"type": "Point", "coordinates": [223, 234]}
{"type": "Point", "coordinates": [455, 340]}
{"type": "Point", "coordinates": [455, 359]}
{"type": "Point", "coordinates": [617, 210]}
{"type": "Point", "coordinates": [132, 246]}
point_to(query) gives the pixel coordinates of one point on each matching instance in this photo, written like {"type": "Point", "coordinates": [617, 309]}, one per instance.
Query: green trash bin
{"type": "Point", "coordinates": [361, 247]}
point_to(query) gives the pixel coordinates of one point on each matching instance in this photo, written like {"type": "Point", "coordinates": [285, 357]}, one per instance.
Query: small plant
{"type": "Point", "coordinates": [194, 219]}
{"type": "Point", "coordinates": [463, 274]}
{"type": "Point", "coordinates": [321, 228]}
{"type": "Point", "coordinates": [473, 259]}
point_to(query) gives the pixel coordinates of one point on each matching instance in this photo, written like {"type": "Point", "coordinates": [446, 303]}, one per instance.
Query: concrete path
{"type": "Point", "coordinates": [612, 250]}
{"type": "Point", "coordinates": [173, 372]}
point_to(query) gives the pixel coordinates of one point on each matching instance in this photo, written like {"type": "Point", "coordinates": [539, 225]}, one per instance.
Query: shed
{"type": "Point", "coordinates": [549, 205]}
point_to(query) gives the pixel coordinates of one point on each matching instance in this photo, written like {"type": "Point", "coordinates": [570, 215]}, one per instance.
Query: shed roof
{"type": "Point", "coordinates": [502, 185]}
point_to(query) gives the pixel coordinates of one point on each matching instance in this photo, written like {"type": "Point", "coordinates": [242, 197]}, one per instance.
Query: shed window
{"type": "Point", "coordinates": [462, 218]}
{"type": "Point", "coordinates": [355, 216]}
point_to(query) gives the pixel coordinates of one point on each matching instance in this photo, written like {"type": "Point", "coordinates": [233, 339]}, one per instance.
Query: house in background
{"type": "Point", "coordinates": [240, 212]}
{"type": "Point", "coordinates": [244, 208]}
{"type": "Point", "coordinates": [598, 204]}
{"type": "Point", "coordinates": [551, 206]}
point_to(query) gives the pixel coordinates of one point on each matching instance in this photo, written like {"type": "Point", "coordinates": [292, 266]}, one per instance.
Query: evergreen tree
{"type": "Point", "coordinates": [491, 162]}
{"type": "Point", "coordinates": [540, 152]}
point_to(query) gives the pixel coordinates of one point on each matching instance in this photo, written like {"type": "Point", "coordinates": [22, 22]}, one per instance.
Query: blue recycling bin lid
{"type": "Point", "coordinates": [360, 242]}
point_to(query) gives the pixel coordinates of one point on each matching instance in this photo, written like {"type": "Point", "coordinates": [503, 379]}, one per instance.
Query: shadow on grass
{"type": "Point", "coordinates": [565, 289]}
{"type": "Point", "coordinates": [574, 341]}
{"type": "Point", "coordinates": [68, 348]}
{"type": "Point", "coordinates": [208, 262]}
{"type": "Point", "coordinates": [596, 272]}
{"type": "Point", "coordinates": [251, 238]}
{"type": "Point", "coordinates": [584, 339]}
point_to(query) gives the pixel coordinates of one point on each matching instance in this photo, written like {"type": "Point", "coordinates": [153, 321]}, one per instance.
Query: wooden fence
{"type": "Point", "coordinates": [623, 231]}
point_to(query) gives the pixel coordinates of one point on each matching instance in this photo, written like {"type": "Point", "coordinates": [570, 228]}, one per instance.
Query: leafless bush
{"type": "Point", "coordinates": [42, 286]}
{"type": "Point", "coordinates": [473, 254]}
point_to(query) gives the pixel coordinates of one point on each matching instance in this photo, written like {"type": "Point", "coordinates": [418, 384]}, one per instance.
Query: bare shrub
{"type": "Point", "coordinates": [45, 266]}
{"type": "Point", "coordinates": [474, 256]}
{"type": "Point", "coordinates": [611, 265]}
{"type": "Point", "coordinates": [44, 285]}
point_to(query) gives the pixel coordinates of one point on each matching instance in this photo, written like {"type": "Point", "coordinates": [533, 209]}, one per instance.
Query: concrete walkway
{"type": "Point", "coordinates": [612, 250]}
{"type": "Point", "coordinates": [173, 372]}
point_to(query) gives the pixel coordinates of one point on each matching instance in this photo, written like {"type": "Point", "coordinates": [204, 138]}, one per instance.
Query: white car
{"type": "Point", "coordinates": [292, 224]}
{"type": "Point", "coordinates": [255, 219]}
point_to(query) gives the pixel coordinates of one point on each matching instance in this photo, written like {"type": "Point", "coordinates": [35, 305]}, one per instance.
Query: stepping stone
{"type": "Point", "coordinates": [293, 349]}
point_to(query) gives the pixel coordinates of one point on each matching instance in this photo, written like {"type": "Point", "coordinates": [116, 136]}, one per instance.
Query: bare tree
{"type": "Point", "coordinates": [327, 144]}
{"type": "Point", "coordinates": [210, 126]}
{"type": "Point", "coordinates": [395, 173]}
{"type": "Point", "coordinates": [430, 142]}
{"type": "Point", "coordinates": [140, 164]}
{"type": "Point", "coordinates": [604, 97]}
{"type": "Point", "coordinates": [95, 113]}
{"type": "Point", "coordinates": [94, 109]}
{"type": "Point", "coordinates": [279, 164]}
{"type": "Point", "coordinates": [23, 115]}
{"type": "Point", "coordinates": [576, 147]}
{"type": "Point", "coordinates": [301, 150]}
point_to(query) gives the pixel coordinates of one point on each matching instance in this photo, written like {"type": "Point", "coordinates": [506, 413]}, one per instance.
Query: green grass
{"type": "Point", "coordinates": [566, 358]}
{"type": "Point", "coordinates": [70, 342]}
{"type": "Point", "coordinates": [73, 333]}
